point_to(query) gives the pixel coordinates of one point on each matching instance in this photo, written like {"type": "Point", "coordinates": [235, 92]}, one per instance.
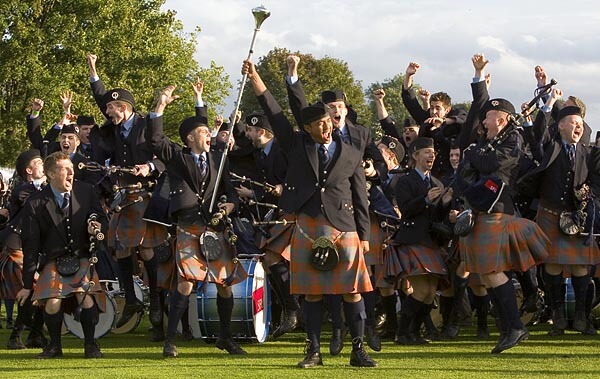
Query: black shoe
{"type": "Point", "coordinates": [187, 334]}
{"type": "Point", "coordinates": [37, 341]}
{"type": "Point", "coordinates": [128, 311]}
{"type": "Point", "coordinates": [373, 339]}
{"type": "Point", "coordinates": [92, 350]}
{"type": "Point", "coordinates": [554, 331]}
{"type": "Point", "coordinates": [512, 339]}
{"type": "Point", "coordinates": [530, 304]}
{"type": "Point", "coordinates": [589, 329]}
{"type": "Point", "coordinates": [579, 321]}
{"type": "Point", "coordinates": [410, 340]}
{"type": "Point", "coordinates": [336, 344]}
{"type": "Point", "coordinates": [230, 345]}
{"type": "Point", "coordinates": [9, 324]}
{"type": "Point", "coordinates": [450, 332]}
{"type": "Point", "coordinates": [50, 351]}
{"type": "Point", "coordinates": [169, 349]}
{"type": "Point", "coordinates": [360, 358]}
{"type": "Point", "coordinates": [312, 357]}
{"type": "Point", "coordinates": [558, 319]}
{"type": "Point", "coordinates": [483, 332]}
{"type": "Point", "coordinates": [288, 324]}
{"type": "Point", "coordinates": [15, 343]}
{"type": "Point", "coordinates": [158, 334]}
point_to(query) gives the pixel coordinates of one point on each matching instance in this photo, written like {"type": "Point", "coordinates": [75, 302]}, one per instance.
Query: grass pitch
{"type": "Point", "coordinates": [132, 355]}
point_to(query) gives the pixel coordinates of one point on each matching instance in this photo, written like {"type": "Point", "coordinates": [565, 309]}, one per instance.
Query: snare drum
{"type": "Point", "coordinates": [251, 314]}
{"type": "Point", "coordinates": [106, 320]}
{"type": "Point", "coordinates": [141, 293]}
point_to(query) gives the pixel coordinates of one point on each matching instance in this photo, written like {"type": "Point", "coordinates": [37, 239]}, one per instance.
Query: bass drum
{"type": "Point", "coordinates": [141, 293]}
{"type": "Point", "coordinates": [106, 320]}
{"type": "Point", "coordinates": [251, 314]}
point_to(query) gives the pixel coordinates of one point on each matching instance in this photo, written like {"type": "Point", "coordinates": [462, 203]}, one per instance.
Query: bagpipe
{"type": "Point", "coordinates": [585, 220]}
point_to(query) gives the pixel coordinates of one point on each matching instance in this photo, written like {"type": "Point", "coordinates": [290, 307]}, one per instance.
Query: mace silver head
{"type": "Point", "coordinates": [260, 15]}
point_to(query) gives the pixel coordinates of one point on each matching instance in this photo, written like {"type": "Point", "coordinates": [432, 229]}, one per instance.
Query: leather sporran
{"type": "Point", "coordinates": [567, 224]}
{"type": "Point", "coordinates": [210, 246]}
{"type": "Point", "coordinates": [465, 222]}
{"type": "Point", "coordinates": [324, 254]}
{"type": "Point", "coordinates": [67, 264]}
{"type": "Point", "coordinates": [163, 252]}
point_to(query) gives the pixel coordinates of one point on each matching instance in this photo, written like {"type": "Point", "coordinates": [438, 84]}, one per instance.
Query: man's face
{"type": "Point", "coordinates": [388, 156]}
{"type": "Point", "coordinates": [494, 122]}
{"type": "Point", "coordinates": [116, 112]}
{"type": "Point", "coordinates": [454, 158]}
{"type": "Point", "coordinates": [199, 139]}
{"type": "Point", "coordinates": [320, 130]}
{"type": "Point", "coordinates": [424, 158]}
{"type": "Point", "coordinates": [438, 109]}
{"type": "Point", "coordinates": [410, 134]}
{"type": "Point", "coordinates": [84, 133]}
{"type": "Point", "coordinates": [571, 128]}
{"type": "Point", "coordinates": [223, 136]}
{"type": "Point", "coordinates": [69, 143]}
{"type": "Point", "coordinates": [61, 178]}
{"type": "Point", "coordinates": [36, 168]}
{"type": "Point", "coordinates": [338, 112]}
{"type": "Point", "coordinates": [253, 133]}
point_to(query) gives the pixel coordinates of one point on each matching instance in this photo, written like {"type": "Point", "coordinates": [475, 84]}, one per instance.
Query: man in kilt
{"type": "Point", "coordinates": [499, 241]}
{"type": "Point", "coordinates": [30, 169]}
{"type": "Point", "coordinates": [192, 174]}
{"type": "Point", "coordinates": [326, 190]}
{"type": "Point", "coordinates": [121, 142]}
{"type": "Point", "coordinates": [414, 254]}
{"type": "Point", "coordinates": [566, 166]}
{"type": "Point", "coordinates": [57, 224]}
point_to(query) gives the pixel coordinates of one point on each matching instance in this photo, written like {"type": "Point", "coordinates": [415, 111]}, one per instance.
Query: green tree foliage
{"type": "Point", "coordinates": [43, 48]}
{"type": "Point", "coordinates": [317, 75]}
{"type": "Point", "coordinates": [393, 101]}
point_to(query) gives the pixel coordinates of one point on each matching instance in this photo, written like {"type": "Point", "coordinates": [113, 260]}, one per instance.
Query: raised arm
{"type": "Point", "coordinates": [296, 95]}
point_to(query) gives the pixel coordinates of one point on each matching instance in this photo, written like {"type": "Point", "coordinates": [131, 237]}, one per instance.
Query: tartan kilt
{"type": "Point", "coordinates": [11, 273]}
{"type": "Point", "coordinates": [155, 234]}
{"type": "Point", "coordinates": [375, 254]}
{"type": "Point", "coordinates": [127, 228]}
{"type": "Point", "coordinates": [566, 250]}
{"type": "Point", "coordinates": [280, 241]}
{"type": "Point", "coordinates": [191, 266]}
{"type": "Point", "coordinates": [417, 260]}
{"type": "Point", "coordinates": [51, 285]}
{"type": "Point", "coordinates": [501, 242]}
{"type": "Point", "coordinates": [350, 275]}
{"type": "Point", "coordinates": [166, 273]}
{"type": "Point", "coordinates": [475, 280]}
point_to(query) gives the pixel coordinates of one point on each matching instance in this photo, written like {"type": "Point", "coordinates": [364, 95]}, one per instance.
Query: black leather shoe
{"type": "Point", "coordinates": [169, 349]}
{"type": "Point", "coordinates": [336, 344]}
{"type": "Point", "coordinates": [554, 331]}
{"type": "Point", "coordinates": [530, 304]}
{"type": "Point", "coordinates": [483, 332]}
{"type": "Point", "coordinates": [579, 321]}
{"type": "Point", "coordinates": [15, 343]}
{"type": "Point", "coordinates": [450, 332]}
{"type": "Point", "coordinates": [128, 311]}
{"type": "Point", "coordinates": [37, 341]}
{"type": "Point", "coordinates": [288, 324]}
{"type": "Point", "coordinates": [51, 351]}
{"type": "Point", "coordinates": [410, 340]}
{"type": "Point", "coordinates": [512, 339]}
{"type": "Point", "coordinates": [373, 339]}
{"type": "Point", "coordinates": [92, 350]}
{"type": "Point", "coordinates": [158, 334]}
{"type": "Point", "coordinates": [360, 358]}
{"type": "Point", "coordinates": [558, 319]}
{"type": "Point", "coordinates": [187, 334]}
{"type": "Point", "coordinates": [9, 324]}
{"type": "Point", "coordinates": [589, 329]}
{"type": "Point", "coordinates": [312, 359]}
{"type": "Point", "coordinates": [230, 346]}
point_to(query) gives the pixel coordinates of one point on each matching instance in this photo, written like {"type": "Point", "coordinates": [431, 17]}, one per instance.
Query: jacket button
{"type": "Point", "coordinates": [322, 189]}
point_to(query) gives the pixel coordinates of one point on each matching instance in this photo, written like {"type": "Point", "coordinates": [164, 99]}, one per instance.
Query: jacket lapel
{"type": "Point", "coordinates": [311, 153]}
{"type": "Point", "coordinates": [55, 213]}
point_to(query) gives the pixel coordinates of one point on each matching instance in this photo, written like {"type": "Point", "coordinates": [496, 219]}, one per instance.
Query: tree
{"type": "Point", "coordinates": [139, 47]}
{"type": "Point", "coordinates": [317, 75]}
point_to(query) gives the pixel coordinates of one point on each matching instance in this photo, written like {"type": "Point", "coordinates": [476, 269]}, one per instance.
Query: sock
{"type": "Point", "coordinates": [126, 279]}
{"type": "Point", "coordinates": [410, 307]}
{"type": "Point", "coordinates": [482, 305]}
{"type": "Point", "coordinates": [313, 319]}
{"type": "Point", "coordinates": [151, 270]}
{"type": "Point", "coordinates": [508, 300]}
{"type": "Point", "coordinates": [370, 301]}
{"type": "Point", "coordinates": [178, 305]}
{"type": "Point", "coordinates": [334, 304]}
{"type": "Point", "coordinates": [528, 283]}
{"type": "Point", "coordinates": [10, 305]}
{"type": "Point", "coordinates": [89, 320]}
{"type": "Point", "coordinates": [54, 324]}
{"type": "Point", "coordinates": [355, 318]}
{"type": "Point", "coordinates": [553, 286]}
{"type": "Point", "coordinates": [580, 287]}
{"type": "Point", "coordinates": [391, 317]}
{"type": "Point", "coordinates": [281, 275]}
{"type": "Point", "coordinates": [225, 308]}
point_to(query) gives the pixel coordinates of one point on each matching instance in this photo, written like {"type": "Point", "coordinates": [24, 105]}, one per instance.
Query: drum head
{"type": "Point", "coordinates": [106, 320]}
{"type": "Point", "coordinates": [113, 290]}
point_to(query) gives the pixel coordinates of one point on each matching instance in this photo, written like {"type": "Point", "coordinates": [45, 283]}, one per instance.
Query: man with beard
{"type": "Point", "coordinates": [57, 223]}
{"type": "Point", "coordinates": [325, 190]}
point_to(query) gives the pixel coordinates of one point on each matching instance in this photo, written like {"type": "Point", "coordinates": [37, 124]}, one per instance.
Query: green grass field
{"type": "Point", "coordinates": [132, 355]}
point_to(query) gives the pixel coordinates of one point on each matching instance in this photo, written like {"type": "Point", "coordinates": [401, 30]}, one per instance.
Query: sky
{"type": "Point", "coordinates": [379, 38]}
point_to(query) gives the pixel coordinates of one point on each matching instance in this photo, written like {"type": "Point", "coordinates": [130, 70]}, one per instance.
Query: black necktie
{"type": "Point", "coordinates": [66, 200]}
{"type": "Point", "coordinates": [571, 153]}
{"type": "Point", "coordinates": [427, 182]}
{"type": "Point", "coordinates": [323, 156]}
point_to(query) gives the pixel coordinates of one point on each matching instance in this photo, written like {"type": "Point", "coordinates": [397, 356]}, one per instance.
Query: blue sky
{"type": "Point", "coordinates": [379, 38]}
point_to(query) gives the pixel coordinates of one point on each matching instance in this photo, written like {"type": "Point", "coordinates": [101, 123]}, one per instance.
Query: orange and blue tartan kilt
{"type": "Point", "coordinates": [415, 260]}
{"type": "Point", "coordinates": [11, 273]}
{"type": "Point", "coordinates": [166, 273]}
{"type": "Point", "coordinates": [375, 254]}
{"type": "Point", "coordinates": [191, 266]}
{"type": "Point", "coordinates": [52, 285]}
{"type": "Point", "coordinates": [350, 275]}
{"type": "Point", "coordinates": [279, 242]}
{"type": "Point", "coordinates": [501, 242]}
{"type": "Point", "coordinates": [566, 250]}
{"type": "Point", "coordinates": [127, 228]}
{"type": "Point", "coordinates": [475, 280]}
{"type": "Point", "coordinates": [155, 234]}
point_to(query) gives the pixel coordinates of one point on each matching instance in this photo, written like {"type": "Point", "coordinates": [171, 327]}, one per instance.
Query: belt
{"type": "Point", "coordinates": [312, 240]}
{"type": "Point", "coordinates": [548, 210]}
